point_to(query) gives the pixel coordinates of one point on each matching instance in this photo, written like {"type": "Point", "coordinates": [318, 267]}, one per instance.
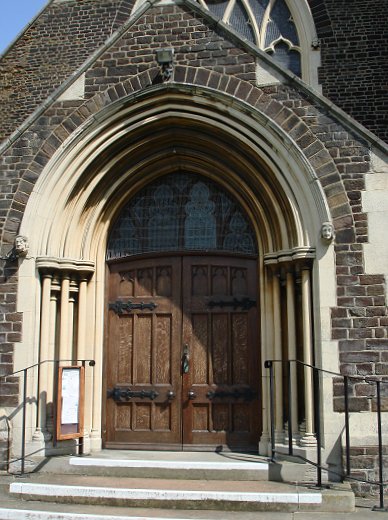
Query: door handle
{"type": "Point", "coordinates": [192, 395]}
{"type": "Point", "coordinates": [185, 359]}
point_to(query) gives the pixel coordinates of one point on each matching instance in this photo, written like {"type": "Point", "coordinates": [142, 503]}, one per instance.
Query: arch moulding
{"type": "Point", "coordinates": [130, 142]}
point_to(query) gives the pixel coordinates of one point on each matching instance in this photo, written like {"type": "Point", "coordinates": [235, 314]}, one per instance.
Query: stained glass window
{"type": "Point", "coordinates": [267, 23]}
{"type": "Point", "coordinates": [181, 212]}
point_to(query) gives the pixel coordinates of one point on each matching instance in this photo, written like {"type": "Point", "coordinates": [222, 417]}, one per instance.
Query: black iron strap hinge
{"type": "Point", "coordinates": [125, 394]}
{"type": "Point", "coordinates": [234, 393]}
{"type": "Point", "coordinates": [120, 307]}
{"type": "Point", "coordinates": [245, 303]}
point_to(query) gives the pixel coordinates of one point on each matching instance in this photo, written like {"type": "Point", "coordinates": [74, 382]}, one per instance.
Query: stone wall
{"type": "Point", "coordinates": [5, 439]}
{"type": "Point", "coordinates": [354, 71]}
{"type": "Point", "coordinates": [364, 462]}
{"type": "Point", "coordinates": [205, 57]}
{"type": "Point", "coordinates": [56, 44]}
{"type": "Point", "coordinates": [341, 160]}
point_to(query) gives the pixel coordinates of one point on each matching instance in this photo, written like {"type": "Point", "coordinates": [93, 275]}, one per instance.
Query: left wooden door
{"type": "Point", "coordinates": [143, 409]}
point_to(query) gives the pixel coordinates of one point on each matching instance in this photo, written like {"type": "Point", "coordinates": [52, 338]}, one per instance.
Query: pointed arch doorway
{"type": "Point", "coordinates": [182, 347]}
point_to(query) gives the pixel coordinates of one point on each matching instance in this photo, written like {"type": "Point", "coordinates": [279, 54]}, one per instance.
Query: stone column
{"type": "Point", "coordinates": [291, 336]}
{"type": "Point", "coordinates": [72, 318]}
{"type": "Point", "coordinates": [81, 341]}
{"type": "Point", "coordinates": [278, 369]}
{"type": "Point", "coordinates": [65, 348]}
{"type": "Point", "coordinates": [309, 437]}
{"type": "Point", "coordinates": [81, 353]}
{"type": "Point", "coordinates": [267, 353]}
{"type": "Point", "coordinates": [44, 355]}
{"type": "Point", "coordinates": [98, 312]}
{"type": "Point", "coordinates": [53, 351]}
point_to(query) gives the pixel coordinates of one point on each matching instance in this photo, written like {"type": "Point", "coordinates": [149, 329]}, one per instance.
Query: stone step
{"type": "Point", "coordinates": [184, 494]}
{"type": "Point", "coordinates": [255, 468]}
{"type": "Point", "coordinates": [28, 514]}
{"type": "Point", "coordinates": [176, 465]}
{"type": "Point", "coordinates": [86, 513]}
{"type": "Point", "coordinates": [208, 470]}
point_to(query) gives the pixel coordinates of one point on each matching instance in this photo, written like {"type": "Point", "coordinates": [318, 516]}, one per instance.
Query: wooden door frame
{"type": "Point", "coordinates": [257, 354]}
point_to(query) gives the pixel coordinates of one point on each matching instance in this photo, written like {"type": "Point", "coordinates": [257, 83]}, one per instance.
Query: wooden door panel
{"type": "Point", "coordinates": [197, 301]}
{"type": "Point", "coordinates": [143, 355]}
{"type": "Point", "coordinates": [221, 389]}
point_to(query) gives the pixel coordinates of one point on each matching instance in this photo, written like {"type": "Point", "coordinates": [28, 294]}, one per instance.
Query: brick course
{"type": "Point", "coordinates": [57, 43]}
{"type": "Point", "coordinates": [339, 159]}
{"type": "Point", "coordinates": [354, 69]}
{"type": "Point", "coordinates": [364, 465]}
{"type": "Point", "coordinates": [203, 57]}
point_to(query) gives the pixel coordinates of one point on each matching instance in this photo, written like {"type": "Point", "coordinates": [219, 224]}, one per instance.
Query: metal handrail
{"type": "Point", "coordinates": [24, 403]}
{"type": "Point", "coordinates": [317, 407]}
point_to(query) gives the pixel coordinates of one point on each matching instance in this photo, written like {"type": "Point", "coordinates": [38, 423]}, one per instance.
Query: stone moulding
{"type": "Point", "coordinates": [297, 253]}
{"type": "Point", "coordinates": [49, 264]}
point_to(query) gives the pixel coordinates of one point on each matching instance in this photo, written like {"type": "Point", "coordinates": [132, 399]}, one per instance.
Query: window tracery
{"type": "Point", "coordinates": [267, 23]}
{"type": "Point", "coordinates": [181, 212]}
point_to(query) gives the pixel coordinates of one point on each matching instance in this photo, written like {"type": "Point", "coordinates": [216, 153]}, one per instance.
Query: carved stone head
{"type": "Point", "coordinates": [327, 231]}
{"type": "Point", "coordinates": [21, 245]}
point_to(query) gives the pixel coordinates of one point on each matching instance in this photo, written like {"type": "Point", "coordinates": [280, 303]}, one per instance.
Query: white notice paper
{"type": "Point", "coordinates": [70, 395]}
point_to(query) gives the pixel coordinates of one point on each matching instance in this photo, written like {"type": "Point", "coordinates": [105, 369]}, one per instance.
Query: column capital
{"type": "Point", "coordinates": [65, 267]}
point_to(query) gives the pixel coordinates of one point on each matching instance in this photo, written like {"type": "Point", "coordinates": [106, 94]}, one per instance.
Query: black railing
{"type": "Point", "coordinates": [25, 371]}
{"type": "Point", "coordinates": [317, 407]}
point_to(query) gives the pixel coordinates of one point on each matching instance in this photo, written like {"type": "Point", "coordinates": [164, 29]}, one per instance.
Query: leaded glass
{"type": "Point", "coordinates": [181, 212]}
{"type": "Point", "coordinates": [217, 8]}
{"type": "Point", "coordinates": [266, 23]}
{"type": "Point", "coordinates": [287, 58]}
{"type": "Point", "coordinates": [258, 9]}
{"type": "Point", "coordinates": [239, 20]}
{"type": "Point", "coordinates": [281, 25]}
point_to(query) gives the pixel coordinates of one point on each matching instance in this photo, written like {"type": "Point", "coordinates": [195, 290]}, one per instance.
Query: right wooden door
{"type": "Point", "coordinates": [221, 375]}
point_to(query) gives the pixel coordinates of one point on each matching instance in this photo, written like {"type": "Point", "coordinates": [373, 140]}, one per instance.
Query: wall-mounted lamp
{"type": "Point", "coordinates": [165, 58]}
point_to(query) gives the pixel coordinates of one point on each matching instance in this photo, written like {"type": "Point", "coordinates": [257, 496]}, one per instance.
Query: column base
{"type": "Point", "coordinates": [86, 443]}
{"type": "Point", "coordinates": [308, 440]}
{"type": "Point", "coordinates": [280, 437]}
{"type": "Point", "coordinates": [265, 445]}
{"type": "Point", "coordinates": [95, 441]}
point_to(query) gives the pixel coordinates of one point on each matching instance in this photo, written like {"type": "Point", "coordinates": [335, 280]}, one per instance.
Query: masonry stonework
{"type": "Point", "coordinates": [354, 67]}
{"type": "Point", "coordinates": [205, 56]}
{"type": "Point", "coordinates": [58, 42]}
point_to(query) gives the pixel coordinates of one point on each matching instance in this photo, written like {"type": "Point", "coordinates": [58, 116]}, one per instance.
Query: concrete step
{"type": "Point", "coordinates": [28, 514]}
{"type": "Point", "coordinates": [191, 466]}
{"type": "Point", "coordinates": [65, 512]}
{"type": "Point", "coordinates": [182, 494]}
{"type": "Point", "coordinates": [180, 465]}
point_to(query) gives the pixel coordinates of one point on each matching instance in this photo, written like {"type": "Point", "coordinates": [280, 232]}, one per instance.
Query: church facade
{"type": "Point", "coordinates": [190, 189]}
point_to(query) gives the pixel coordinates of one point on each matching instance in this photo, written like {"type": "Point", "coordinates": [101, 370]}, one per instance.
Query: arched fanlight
{"type": "Point", "coordinates": [181, 212]}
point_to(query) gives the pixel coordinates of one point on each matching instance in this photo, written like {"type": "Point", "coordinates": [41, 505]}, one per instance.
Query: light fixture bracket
{"type": "Point", "coordinates": [165, 58]}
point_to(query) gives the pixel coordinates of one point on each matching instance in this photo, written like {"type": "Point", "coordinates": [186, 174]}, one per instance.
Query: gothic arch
{"type": "Point", "coordinates": [296, 131]}
{"type": "Point", "coordinates": [95, 171]}
{"type": "Point", "coordinates": [131, 150]}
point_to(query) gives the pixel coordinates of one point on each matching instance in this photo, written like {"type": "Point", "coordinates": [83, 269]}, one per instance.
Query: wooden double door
{"type": "Point", "coordinates": [182, 356]}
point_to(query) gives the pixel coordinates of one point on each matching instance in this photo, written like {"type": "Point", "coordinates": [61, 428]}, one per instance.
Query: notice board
{"type": "Point", "coordinates": [70, 402]}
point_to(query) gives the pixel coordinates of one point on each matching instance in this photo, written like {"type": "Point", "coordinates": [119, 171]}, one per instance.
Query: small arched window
{"type": "Point", "coordinates": [267, 23]}
{"type": "Point", "coordinates": [284, 29]}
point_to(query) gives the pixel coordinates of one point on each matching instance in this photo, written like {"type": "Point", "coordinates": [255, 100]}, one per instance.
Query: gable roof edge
{"type": "Point", "coordinates": [293, 79]}
{"type": "Point", "coordinates": [25, 28]}
{"type": "Point", "coordinates": [76, 74]}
